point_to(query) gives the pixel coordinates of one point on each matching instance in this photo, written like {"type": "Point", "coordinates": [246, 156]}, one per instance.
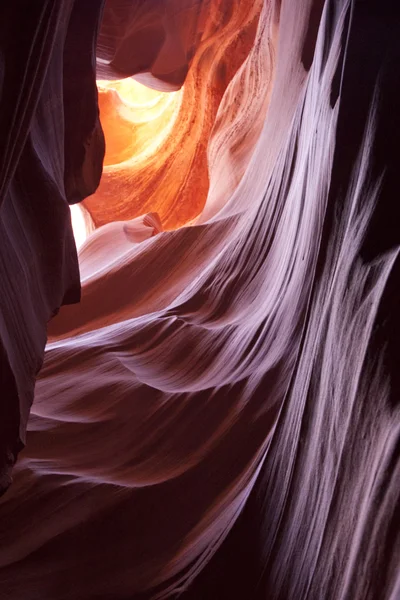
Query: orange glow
{"type": "Point", "coordinates": [157, 142]}
{"type": "Point", "coordinates": [136, 119]}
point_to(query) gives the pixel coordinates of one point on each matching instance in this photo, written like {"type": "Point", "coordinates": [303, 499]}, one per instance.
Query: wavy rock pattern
{"type": "Point", "coordinates": [219, 414]}
{"type": "Point", "coordinates": [209, 41]}
{"type": "Point", "coordinates": [51, 152]}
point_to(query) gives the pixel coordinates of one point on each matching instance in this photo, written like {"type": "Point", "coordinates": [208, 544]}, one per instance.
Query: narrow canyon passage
{"type": "Point", "coordinates": [199, 308]}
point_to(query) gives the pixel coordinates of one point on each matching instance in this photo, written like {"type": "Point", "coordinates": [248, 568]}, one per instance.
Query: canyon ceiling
{"type": "Point", "coordinates": [199, 391]}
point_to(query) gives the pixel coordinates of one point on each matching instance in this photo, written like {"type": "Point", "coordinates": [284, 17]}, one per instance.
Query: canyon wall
{"type": "Point", "coordinates": [218, 416]}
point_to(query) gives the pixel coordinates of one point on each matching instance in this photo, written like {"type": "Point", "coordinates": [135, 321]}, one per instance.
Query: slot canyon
{"type": "Point", "coordinates": [199, 300]}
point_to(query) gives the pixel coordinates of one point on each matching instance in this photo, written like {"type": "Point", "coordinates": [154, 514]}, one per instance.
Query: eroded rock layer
{"type": "Point", "coordinates": [156, 158]}
{"type": "Point", "coordinates": [51, 152]}
{"type": "Point", "coordinates": [219, 415]}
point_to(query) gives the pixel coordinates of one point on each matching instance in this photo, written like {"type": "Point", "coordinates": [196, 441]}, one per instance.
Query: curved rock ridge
{"type": "Point", "coordinates": [156, 158]}
{"type": "Point", "coordinates": [219, 417]}
{"type": "Point", "coordinates": [157, 41]}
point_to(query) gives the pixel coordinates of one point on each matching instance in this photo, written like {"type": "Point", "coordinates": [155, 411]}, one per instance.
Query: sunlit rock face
{"type": "Point", "coordinates": [156, 141]}
{"type": "Point", "coordinates": [136, 120]}
{"type": "Point", "coordinates": [218, 417]}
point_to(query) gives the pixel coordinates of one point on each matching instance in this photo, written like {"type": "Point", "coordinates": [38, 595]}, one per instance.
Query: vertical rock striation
{"type": "Point", "coordinates": [218, 417]}
{"type": "Point", "coordinates": [46, 162]}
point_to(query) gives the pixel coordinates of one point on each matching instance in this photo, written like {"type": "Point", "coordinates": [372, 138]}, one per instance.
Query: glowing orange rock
{"type": "Point", "coordinates": [136, 120]}
{"type": "Point", "coordinates": [156, 143]}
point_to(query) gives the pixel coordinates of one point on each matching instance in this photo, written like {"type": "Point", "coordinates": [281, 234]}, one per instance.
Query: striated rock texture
{"type": "Point", "coordinates": [51, 152]}
{"type": "Point", "coordinates": [218, 417]}
{"type": "Point", "coordinates": [156, 156]}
